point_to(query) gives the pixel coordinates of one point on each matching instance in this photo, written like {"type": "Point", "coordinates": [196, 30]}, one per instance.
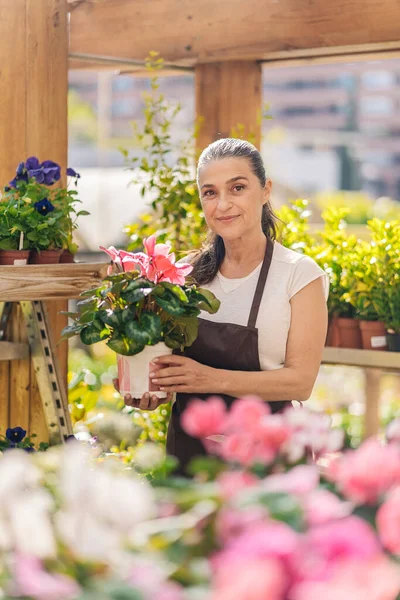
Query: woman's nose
{"type": "Point", "coordinates": [224, 202]}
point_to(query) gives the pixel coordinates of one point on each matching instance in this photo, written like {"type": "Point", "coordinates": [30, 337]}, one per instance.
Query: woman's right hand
{"type": "Point", "coordinates": [146, 402]}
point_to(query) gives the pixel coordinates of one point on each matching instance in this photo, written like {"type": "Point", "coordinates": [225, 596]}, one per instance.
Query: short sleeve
{"type": "Point", "coordinates": [305, 271]}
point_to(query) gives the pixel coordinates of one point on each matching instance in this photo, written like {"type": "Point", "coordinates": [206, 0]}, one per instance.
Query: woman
{"type": "Point", "coordinates": [268, 336]}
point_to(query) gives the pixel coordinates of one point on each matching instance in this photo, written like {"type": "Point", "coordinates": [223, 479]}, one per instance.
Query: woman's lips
{"type": "Point", "coordinates": [228, 219]}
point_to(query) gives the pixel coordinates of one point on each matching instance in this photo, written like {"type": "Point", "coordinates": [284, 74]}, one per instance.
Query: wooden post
{"type": "Point", "coordinates": [372, 397]}
{"type": "Point", "coordinates": [228, 98]}
{"type": "Point", "coordinates": [33, 117]}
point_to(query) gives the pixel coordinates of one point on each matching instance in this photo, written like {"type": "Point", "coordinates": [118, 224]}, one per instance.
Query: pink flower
{"type": "Point", "coordinates": [312, 435]}
{"type": "Point", "coordinates": [393, 431]}
{"type": "Point", "coordinates": [156, 264]}
{"type": "Point", "coordinates": [322, 506]}
{"type": "Point", "coordinates": [33, 581]}
{"type": "Point", "coordinates": [365, 474]}
{"type": "Point", "coordinates": [161, 264]}
{"type": "Point", "coordinates": [246, 413]}
{"type": "Point", "coordinates": [232, 522]}
{"type": "Point", "coordinates": [255, 579]}
{"type": "Point", "coordinates": [376, 579]}
{"type": "Point", "coordinates": [233, 482]}
{"type": "Point", "coordinates": [388, 522]}
{"type": "Point", "coordinates": [271, 539]}
{"type": "Point", "coordinates": [326, 545]}
{"type": "Point", "coordinates": [299, 481]}
{"type": "Point", "coordinates": [257, 442]}
{"type": "Point", "coordinates": [204, 418]}
{"type": "Point", "coordinates": [152, 582]}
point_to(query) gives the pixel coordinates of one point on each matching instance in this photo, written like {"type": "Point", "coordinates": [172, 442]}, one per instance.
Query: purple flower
{"type": "Point", "coordinates": [37, 174]}
{"type": "Point", "coordinates": [51, 171]}
{"type": "Point", "coordinates": [72, 173]}
{"type": "Point", "coordinates": [44, 206]}
{"type": "Point", "coordinates": [15, 435]}
{"type": "Point", "coordinates": [32, 163]}
{"type": "Point", "coordinates": [20, 169]}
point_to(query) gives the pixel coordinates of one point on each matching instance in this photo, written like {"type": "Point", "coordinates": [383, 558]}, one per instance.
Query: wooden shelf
{"type": "Point", "coordinates": [49, 282]}
{"type": "Point", "coordinates": [374, 359]}
{"type": "Point", "coordinates": [13, 351]}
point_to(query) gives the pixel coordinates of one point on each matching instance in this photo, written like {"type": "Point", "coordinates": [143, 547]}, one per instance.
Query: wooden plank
{"type": "Point", "coordinates": [210, 31]}
{"type": "Point", "coordinates": [219, 104]}
{"type": "Point", "coordinates": [20, 377]}
{"type": "Point", "coordinates": [37, 420]}
{"type": "Point", "coordinates": [372, 402]}
{"type": "Point", "coordinates": [389, 361]}
{"type": "Point", "coordinates": [4, 385]}
{"type": "Point", "coordinates": [13, 351]}
{"type": "Point", "coordinates": [49, 282]}
{"type": "Point", "coordinates": [13, 88]}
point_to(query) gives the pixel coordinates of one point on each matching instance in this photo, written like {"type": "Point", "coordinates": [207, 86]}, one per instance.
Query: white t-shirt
{"type": "Point", "coordinates": [288, 274]}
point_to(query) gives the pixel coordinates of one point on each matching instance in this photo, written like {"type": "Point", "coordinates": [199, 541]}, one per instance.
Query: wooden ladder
{"type": "Point", "coordinates": [45, 363]}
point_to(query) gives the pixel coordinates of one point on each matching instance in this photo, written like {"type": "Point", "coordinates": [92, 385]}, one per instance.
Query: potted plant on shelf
{"type": "Point", "coordinates": [335, 256]}
{"type": "Point", "coordinates": [39, 210]}
{"type": "Point", "coordinates": [145, 310]}
{"type": "Point", "coordinates": [386, 240]}
{"type": "Point", "coordinates": [367, 282]}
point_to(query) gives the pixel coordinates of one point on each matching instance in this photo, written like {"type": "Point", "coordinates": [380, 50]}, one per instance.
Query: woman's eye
{"type": "Point", "coordinates": [239, 188]}
{"type": "Point", "coordinates": [208, 193]}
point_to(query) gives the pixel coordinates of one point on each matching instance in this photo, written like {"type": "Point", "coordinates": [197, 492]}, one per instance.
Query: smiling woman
{"type": "Point", "coordinates": [268, 336]}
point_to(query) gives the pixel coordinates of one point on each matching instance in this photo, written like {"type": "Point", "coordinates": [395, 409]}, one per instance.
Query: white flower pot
{"type": "Point", "coordinates": [133, 371]}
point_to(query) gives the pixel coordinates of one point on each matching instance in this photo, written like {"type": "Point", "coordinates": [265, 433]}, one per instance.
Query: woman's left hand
{"type": "Point", "coordinates": [181, 374]}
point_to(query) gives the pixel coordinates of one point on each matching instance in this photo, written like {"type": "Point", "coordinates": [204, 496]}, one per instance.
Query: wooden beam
{"type": "Point", "coordinates": [374, 359]}
{"type": "Point", "coordinates": [228, 95]}
{"type": "Point", "coordinates": [190, 32]}
{"type": "Point", "coordinates": [49, 282]}
{"type": "Point", "coordinates": [13, 351]}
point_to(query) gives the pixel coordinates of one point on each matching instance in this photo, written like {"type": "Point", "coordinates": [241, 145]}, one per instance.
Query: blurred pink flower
{"type": "Point", "coordinates": [326, 545]}
{"type": "Point", "coordinates": [32, 580]}
{"type": "Point", "coordinates": [365, 474]}
{"type": "Point", "coordinates": [322, 506]}
{"type": "Point", "coordinates": [376, 579]}
{"type": "Point", "coordinates": [233, 482]}
{"type": "Point", "coordinates": [246, 413]}
{"type": "Point", "coordinates": [388, 522]}
{"type": "Point", "coordinates": [232, 522]}
{"type": "Point", "coordinates": [259, 442]}
{"type": "Point", "coordinates": [252, 579]}
{"type": "Point", "coordinates": [269, 539]}
{"type": "Point", "coordinates": [299, 481]}
{"type": "Point", "coordinates": [312, 435]}
{"type": "Point", "coordinates": [204, 418]}
{"type": "Point", "coordinates": [152, 582]}
{"type": "Point", "coordinates": [393, 431]}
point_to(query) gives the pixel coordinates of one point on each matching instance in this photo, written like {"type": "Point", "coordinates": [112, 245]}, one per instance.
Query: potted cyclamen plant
{"type": "Point", "coordinates": [36, 215]}
{"type": "Point", "coordinates": [147, 309]}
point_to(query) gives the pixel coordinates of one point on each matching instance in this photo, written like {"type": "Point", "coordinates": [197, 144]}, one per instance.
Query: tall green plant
{"type": "Point", "coordinates": [165, 170]}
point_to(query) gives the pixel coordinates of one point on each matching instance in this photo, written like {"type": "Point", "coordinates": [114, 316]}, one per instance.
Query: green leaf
{"type": "Point", "coordinates": [122, 345]}
{"type": "Point", "coordinates": [208, 301]}
{"type": "Point", "coordinates": [170, 304]}
{"type": "Point", "coordinates": [70, 331]}
{"type": "Point", "coordinates": [152, 323]}
{"type": "Point", "coordinates": [111, 318]}
{"type": "Point", "coordinates": [176, 290]}
{"type": "Point", "coordinates": [91, 334]}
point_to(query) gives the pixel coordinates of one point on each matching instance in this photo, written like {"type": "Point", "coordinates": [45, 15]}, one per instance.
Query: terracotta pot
{"type": "Point", "coordinates": [9, 257]}
{"type": "Point", "coordinates": [373, 334]}
{"type": "Point", "coordinates": [45, 257]}
{"type": "Point", "coordinates": [349, 333]}
{"type": "Point", "coordinates": [393, 342]}
{"type": "Point", "coordinates": [133, 371]}
{"type": "Point", "coordinates": [67, 257]}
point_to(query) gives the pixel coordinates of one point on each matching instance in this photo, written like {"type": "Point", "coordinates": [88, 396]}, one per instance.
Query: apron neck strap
{"type": "Point", "coordinates": [255, 307]}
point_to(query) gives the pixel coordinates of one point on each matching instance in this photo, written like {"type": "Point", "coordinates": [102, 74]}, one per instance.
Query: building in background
{"type": "Point", "coordinates": [333, 127]}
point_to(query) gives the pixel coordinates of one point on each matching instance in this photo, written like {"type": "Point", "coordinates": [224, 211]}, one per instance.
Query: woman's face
{"type": "Point", "coordinates": [232, 197]}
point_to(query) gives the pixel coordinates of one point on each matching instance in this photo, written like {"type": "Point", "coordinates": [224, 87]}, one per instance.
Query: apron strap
{"type": "Point", "coordinates": [255, 307]}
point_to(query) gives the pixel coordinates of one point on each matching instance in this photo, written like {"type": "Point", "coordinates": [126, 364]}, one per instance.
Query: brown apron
{"type": "Point", "coordinates": [221, 346]}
